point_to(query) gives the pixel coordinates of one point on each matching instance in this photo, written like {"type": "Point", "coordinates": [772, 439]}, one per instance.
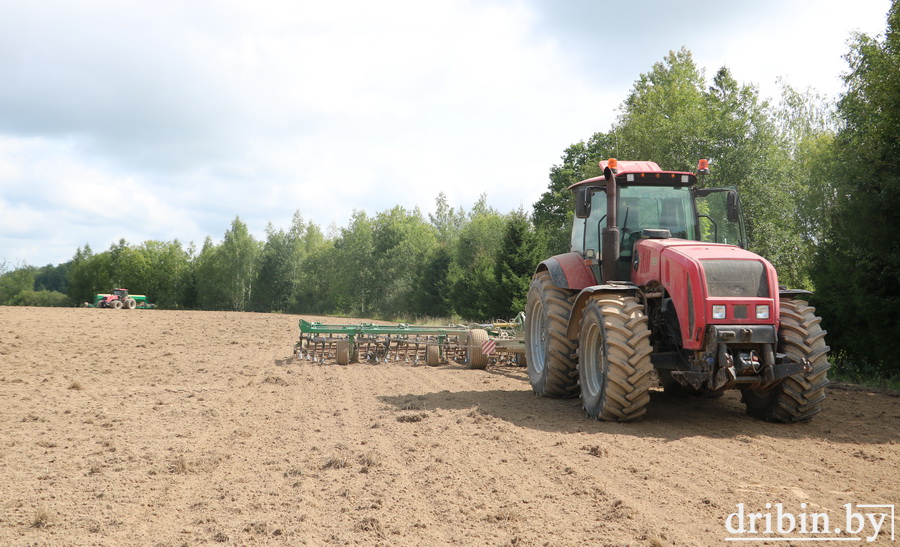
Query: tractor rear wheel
{"type": "Point", "coordinates": [116, 304]}
{"type": "Point", "coordinates": [614, 358]}
{"type": "Point", "coordinates": [799, 397]}
{"type": "Point", "coordinates": [474, 356]}
{"type": "Point", "coordinates": [130, 303]}
{"type": "Point", "coordinates": [549, 355]}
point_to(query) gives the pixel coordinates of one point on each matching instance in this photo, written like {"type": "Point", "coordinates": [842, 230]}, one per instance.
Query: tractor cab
{"type": "Point", "coordinates": [664, 203]}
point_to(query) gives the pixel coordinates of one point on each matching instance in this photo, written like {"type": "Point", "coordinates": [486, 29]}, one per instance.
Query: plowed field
{"type": "Point", "coordinates": [159, 427]}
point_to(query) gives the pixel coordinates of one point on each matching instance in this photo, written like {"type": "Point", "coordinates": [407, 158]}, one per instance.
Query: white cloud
{"type": "Point", "coordinates": [194, 113]}
{"type": "Point", "coordinates": [801, 42]}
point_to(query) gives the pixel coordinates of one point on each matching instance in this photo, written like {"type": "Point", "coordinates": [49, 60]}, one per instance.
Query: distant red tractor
{"type": "Point", "coordinates": [658, 278]}
{"type": "Point", "coordinates": [119, 299]}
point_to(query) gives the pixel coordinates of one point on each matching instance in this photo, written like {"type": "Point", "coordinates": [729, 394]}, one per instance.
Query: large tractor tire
{"type": "Point", "coordinates": [799, 397]}
{"type": "Point", "coordinates": [474, 356]}
{"type": "Point", "coordinates": [116, 304]}
{"type": "Point", "coordinates": [130, 303]}
{"type": "Point", "coordinates": [614, 358]}
{"type": "Point", "coordinates": [550, 356]}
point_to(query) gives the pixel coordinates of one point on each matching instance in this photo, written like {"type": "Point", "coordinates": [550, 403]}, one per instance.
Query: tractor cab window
{"type": "Point", "coordinates": [640, 207]}
{"type": "Point", "coordinates": [586, 232]}
{"type": "Point", "coordinates": [654, 207]}
{"type": "Point", "coordinates": [719, 216]}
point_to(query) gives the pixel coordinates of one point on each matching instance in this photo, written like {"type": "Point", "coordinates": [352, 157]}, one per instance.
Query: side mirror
{"type": "Point", "coordinates": [583, 202]}
{"type": "Point", "coordinates": [732, 207]}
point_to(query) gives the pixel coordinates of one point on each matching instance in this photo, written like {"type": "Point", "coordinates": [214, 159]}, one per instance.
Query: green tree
{"type": "Point", "coordinates": [553, 212]}
{"type": "Point", "coordinates": [673, 118]}
{"type": "Point", "coordinates": [166, 267]}
{"type": "Point", "coordinates": [53, 278]}
{"type": "Point", "coordinates": [435, 286]}
{"type": "Point", "coordinates": [130, 268]}
{"type": "Point", "coordinates": [663, 119]}
{"type": "Point", "coordinates": [403, 242]}
{"type": "Point", "coordinates": [317, 292]}
{"type": "Point", "coordinates": [43, 298]}
{"type": "Point", "coordinates": [90, 275]}
{"type": "Point", "coordinates": [276, 278]}
{"type": "Point", "coordinates": [226, 272]}
{"type": "Point", "coordinates": [858, 263]}
{"type": "Point", "coordinates": [471, 273]}
{"type": "Point", "coordinates": [13, 283]}
{"type": "Point", "coordinates": [209, 278]}
{"type": "Point", "coordinates": [351, 266]}
{"type": "Point", "coordinates": [747, 150]}
{"type": "Point", "coordinates": [282, 266]}
{"type": "Point", "coordinates": [519, 254]}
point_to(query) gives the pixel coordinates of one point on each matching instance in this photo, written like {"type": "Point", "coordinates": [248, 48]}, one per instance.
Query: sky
{"type": "Point", "coordinates": [163, 120]}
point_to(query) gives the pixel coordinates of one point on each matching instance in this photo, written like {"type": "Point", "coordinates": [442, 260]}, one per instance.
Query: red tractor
{"type": "Point", "coordinates": [659, 278]}
{"type": "Point", "coordinates": [117, 300]}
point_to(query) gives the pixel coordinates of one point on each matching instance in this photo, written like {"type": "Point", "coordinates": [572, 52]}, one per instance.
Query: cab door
{"type": "Point", "coordinates": [719, 216]}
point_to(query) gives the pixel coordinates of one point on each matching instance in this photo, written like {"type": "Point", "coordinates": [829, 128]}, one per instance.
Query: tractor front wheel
{"type": "Point", "coordinates": [614, 358]}
{"type": "Point", "coordinates": [799, 397]}
{"type": "Point", "coordinates": [549, 355]}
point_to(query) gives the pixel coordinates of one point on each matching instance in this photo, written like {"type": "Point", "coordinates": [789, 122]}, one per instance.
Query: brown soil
{"type": "Point", "coordinates": [175, 427]}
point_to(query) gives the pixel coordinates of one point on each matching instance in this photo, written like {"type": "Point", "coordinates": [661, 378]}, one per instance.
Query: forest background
{"type": "Point", "coordinates": [819, 182]}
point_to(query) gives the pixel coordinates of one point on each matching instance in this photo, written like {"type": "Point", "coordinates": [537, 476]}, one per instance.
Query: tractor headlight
{"type": "Point", "coordinates": [718, 312]}
{"type": "Point", "coordinates": [762, 312]}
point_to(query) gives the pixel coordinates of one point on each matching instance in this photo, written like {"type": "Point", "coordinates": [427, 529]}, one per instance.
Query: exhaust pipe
{"type": "Point", "coordinates": [610, 254]}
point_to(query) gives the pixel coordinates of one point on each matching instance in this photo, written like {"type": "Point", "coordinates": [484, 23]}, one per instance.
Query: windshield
{"type": "Point", "coordinates": [655, 207]}
{"type": "Point", "coordinates": [640, 207]}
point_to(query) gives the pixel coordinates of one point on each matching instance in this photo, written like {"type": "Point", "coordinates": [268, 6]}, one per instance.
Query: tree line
{"type": "Point", "coordinates": [818, 181]}
{"type": "Point", "coordinates": [470, 264]}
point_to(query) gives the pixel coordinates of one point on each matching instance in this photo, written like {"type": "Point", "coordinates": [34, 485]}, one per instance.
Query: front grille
{"type": "Point", "coordinates": [736, 278]}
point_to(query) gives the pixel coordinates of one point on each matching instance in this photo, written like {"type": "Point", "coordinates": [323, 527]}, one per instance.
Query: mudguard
{"type": "Point", "coordinates": [569, 271]}
{"type": "Point", "coordinates": [578, 307]}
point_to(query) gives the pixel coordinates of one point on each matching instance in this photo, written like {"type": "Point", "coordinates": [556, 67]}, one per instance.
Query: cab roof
{"type": "Point", "coordinates": [643, 173]}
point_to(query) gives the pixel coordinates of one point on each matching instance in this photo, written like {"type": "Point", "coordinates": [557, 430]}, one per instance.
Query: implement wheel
{"type": "Point", "coordinates": [799, 397]}
{"type": "Point", "coordinates": [342, 352]}
{"type": "Point", "coordinates": [474, 357]}
{"type": "Point", "coordinates": [614, 358]}
{"type": "Point", "coordinates": [549, 355]}
{"type": "Point", "coordinates": [432, 355]}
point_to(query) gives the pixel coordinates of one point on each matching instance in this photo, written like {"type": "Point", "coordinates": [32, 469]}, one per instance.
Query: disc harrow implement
{"type": "Point", "coordinates": [473, 345]}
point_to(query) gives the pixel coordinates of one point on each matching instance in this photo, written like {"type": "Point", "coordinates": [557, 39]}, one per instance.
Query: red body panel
{"type": "Point", "coordinates": [677, 265]}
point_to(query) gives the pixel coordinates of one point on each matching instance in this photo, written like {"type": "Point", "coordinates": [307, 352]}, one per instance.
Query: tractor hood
{"type": "Point", "coordinates": [740, 285]}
